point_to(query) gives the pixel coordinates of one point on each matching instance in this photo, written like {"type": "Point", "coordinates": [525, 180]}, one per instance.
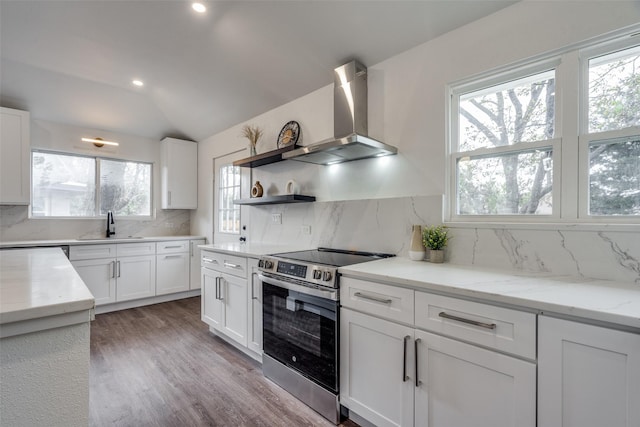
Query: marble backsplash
{"type": "Point", "coordinates": [15, 225]}
{"type": "Point", "coordinates": [384, 225]}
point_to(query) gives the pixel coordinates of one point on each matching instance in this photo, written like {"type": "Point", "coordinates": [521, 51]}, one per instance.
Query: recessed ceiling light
{"type": "Point", "coordinates": [138, 83]}
{"type": "Point", "coordinates": [199, 7]}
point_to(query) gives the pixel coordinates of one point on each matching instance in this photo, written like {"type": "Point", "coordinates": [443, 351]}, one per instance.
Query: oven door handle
{"type": "Point", "coordinates": [321, 293]}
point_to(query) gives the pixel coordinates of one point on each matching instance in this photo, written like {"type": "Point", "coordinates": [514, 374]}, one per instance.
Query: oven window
{"type": "Point", "coordinates": [301, 332]}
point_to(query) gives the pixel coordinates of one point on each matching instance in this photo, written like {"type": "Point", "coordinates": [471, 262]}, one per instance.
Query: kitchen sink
{"type": "Point", "coordinates": [86, 239]}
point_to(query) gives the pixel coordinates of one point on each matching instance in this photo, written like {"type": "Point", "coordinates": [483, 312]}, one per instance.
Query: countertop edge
{"type": "Point", "coordinates": [558, 309]}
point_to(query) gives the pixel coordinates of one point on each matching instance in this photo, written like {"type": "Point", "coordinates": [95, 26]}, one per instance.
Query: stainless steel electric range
{"type": "Point", "coordinates": [301, 323]}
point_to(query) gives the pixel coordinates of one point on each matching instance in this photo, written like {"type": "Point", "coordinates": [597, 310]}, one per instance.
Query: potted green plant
{"type": "Point", "coordinates": [435, 238]}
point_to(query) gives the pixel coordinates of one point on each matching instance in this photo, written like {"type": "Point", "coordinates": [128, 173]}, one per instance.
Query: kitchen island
{"type": "Point", "coordinates": [45, 314]}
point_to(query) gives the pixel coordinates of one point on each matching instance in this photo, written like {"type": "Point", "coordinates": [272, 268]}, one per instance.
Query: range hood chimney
{"type": "Point", "coordinates": [350, 140]}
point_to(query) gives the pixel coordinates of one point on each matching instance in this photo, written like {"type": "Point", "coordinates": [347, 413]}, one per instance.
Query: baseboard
{"type": "Point", "coordinates": [107, 308]}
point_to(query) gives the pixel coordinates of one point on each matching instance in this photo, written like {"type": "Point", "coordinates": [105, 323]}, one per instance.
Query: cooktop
{"type": "Point", "coordinates": [332, 257]}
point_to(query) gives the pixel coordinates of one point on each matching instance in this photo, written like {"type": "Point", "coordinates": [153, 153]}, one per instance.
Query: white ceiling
{"type": "Point", "coordinates": [73, 61]}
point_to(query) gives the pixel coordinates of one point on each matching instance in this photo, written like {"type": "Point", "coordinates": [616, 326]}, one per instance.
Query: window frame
{"type": "Point", "coordinates": [571, 167]}
{"type": "Point", "coordinates": [455, 92]}
{"type": "Point", "coordinates": [220, 208]}
{"type": "Point", "coordinates": [585, 138]}
{"type": "Point", "coordinates": [97, 200]}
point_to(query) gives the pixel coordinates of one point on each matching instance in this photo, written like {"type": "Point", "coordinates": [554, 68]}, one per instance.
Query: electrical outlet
{"type": "Point", "coordinates": [306, 229]}
{"type": "Point", "coordinates": [276, 218]}
{"type": "Point", "coordinates": [169, 224]}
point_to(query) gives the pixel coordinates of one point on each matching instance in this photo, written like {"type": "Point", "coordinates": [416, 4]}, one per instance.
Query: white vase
{"type": "Point", "coordinates": [416, 250]}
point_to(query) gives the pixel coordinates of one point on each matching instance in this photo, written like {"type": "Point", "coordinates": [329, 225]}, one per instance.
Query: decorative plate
{"type": "Point", "coordinates": [289, 135]}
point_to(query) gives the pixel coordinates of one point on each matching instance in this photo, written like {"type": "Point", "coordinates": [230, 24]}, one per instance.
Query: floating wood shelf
{"type": "Point", "coordinates": [274, 200]}
{"type": "Point", "coordinates": [264, 158]}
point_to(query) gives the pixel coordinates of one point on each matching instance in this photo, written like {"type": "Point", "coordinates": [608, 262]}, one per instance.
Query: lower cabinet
{"type": "Point", "coordinates": [410, 358]}
{"type": "Point", "coordinates": [458, 384]}
{"type": "Point", "coordinates": [232, 299]}
{"type": "Point", "coordinates": [588, 376]}
{"type": "Point", "coordinates": [136, 277]}
{"type": "Point", "coordinates": [173, 263]}
{"type": "Point", "coordinates": [194, 268]}
{"type": "Point", "coordinates": [224, 304]}
{"type": "Point", "coordinates": [254, 309]}
{"type": "Point", "coordinates": [376, 369]}
{"type": "Point", "coordinates": [100, 277]}
{"type": "Point", "coordinates": [395, 375]}
{"type": "Point", "coordinates": [116, 272]}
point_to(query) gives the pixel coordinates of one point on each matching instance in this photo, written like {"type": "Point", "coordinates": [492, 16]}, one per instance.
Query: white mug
{"type": "Point", "coordinates": [292, 187]}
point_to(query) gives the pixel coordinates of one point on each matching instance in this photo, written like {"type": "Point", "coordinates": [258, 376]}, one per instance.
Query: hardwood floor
{"type": "Point", "coordinates": [160, 366]}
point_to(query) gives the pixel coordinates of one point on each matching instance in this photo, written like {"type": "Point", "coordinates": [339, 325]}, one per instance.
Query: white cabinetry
{"type": "Point", "coordinates": [392, 373]}
{"type": "Point", "coordinates": [194, 269]}
{"type": "Point", "coordinates": [116, 272]}
{"type": "Point", "coordinates": [173, 261]}
{"type": "Point", "coordinates": [224, 295]}
{"type": "Point", "coordinates": [14, 157]}
{"type": "Point", "coordinates": [375, 360]}
{"type": "Point", "coordinates": [254, 308]}
{"type": "Point", "coordinates": [588, 376]}
{"type": "Point", "coordinates": [179, 174]}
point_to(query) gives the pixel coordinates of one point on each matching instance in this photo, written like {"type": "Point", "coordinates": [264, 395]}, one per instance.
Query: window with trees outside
{"type": "Point", "coordinates": [65, 185]}
{"type": "Point", "coordinates": [228, 190]}
{"type": "Point", "coordinates": [512, 158]}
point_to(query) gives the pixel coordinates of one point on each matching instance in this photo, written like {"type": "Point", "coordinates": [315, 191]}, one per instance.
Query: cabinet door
{"type": "Point", "coordinates": [194, 274]}
{"type": "Point", "coordinates": [212, 307]}
{"type": "Point", "coordinates": [588, 376]}
{"type": "Point", "coordinates": [136, 277]}
{"type": "Point", "coordinates": [14, 157]}
{"type": "Point", "coordinates": [254, 333]}
{"type": "Point", "coordinates": [100, 277]}
{"type": "Point", "coordinates": [464, 385]}
{"type": "Point", "coordinates": [179, 174]}
{"type": "Point", "coordinates": [234, 296]}
{"type": "Point", "coordinates": [376, 369]}
{"type": "Point", "coordinates": [172, 273]}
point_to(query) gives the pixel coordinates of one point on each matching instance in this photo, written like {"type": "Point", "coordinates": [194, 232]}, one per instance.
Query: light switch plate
{"type": "Point", "coordinates": [305, 229]}
{"type": "Point", "coordinates": [276, 218]}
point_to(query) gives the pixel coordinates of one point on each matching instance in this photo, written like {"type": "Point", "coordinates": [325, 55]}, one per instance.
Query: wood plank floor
{"type": "Point", "coordinates": [159, 366]}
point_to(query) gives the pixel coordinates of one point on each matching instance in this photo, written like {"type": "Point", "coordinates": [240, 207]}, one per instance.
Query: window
{"type": "Point", "coordinates": [228, 190]}
{"type": "Point", "coordinates": [504, 152]}
{"type": "Point", "coordinates": [511, 157]}
{"type": "Point", "coordinates": [64, 185]}
{"type": "Point", "coordinates": [613, 137]}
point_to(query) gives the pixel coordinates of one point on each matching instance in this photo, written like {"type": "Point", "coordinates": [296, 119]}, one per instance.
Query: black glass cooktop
{"type": "Point", "coordinates": [332, 257]}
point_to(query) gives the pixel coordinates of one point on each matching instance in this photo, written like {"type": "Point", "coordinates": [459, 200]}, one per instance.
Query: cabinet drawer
{"type": "Point", "coordinates": [134, 249]}
{"type": "Point", "coordinates": [172, 247]}
{"type": "Point", "coordinates": [389, 302]}
{"type": "Point", "coordinates": [499, 328]}
{"type": "Point", "coordinates": [92, 252]}
{"type": "Point", "coordinates": [225, 263]}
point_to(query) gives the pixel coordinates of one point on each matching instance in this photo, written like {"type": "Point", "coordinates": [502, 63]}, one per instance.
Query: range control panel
{"type": "Point", "coordinates": [319, 274]}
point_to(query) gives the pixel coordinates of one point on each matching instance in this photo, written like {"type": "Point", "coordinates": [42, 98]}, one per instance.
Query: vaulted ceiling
{"type": "Point", "coordinates": [72, 62]}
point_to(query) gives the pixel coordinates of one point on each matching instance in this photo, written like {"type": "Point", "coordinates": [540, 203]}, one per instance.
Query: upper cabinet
{"type": "Point", "coordinates": [179, 160]}
{"type": "Point", "coordinates": [14, 157]}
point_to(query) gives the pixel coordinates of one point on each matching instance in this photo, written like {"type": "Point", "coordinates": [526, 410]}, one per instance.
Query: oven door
{"type": "Point", "coordinates": [301, 331]}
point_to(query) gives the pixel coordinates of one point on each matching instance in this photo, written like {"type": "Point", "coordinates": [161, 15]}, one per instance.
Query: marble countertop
{"type": "Point", "coordinates": [37, 283]}
{"type": "Point", "coordinates": [92, 241]}
{"type": "Point", "coordinates": [593, 299]}
{"type": "Point", "coordinates": [252, 250]}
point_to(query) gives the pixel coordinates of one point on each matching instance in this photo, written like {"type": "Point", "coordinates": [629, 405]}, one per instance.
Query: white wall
{"type": "Point", "coordinates": [15, 224]}
{"type": "Point", "coordinates": [407, 108]}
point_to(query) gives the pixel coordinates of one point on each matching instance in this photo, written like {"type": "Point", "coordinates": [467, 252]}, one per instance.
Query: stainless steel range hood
{"type": "Point", "coordinates": [349, 123]}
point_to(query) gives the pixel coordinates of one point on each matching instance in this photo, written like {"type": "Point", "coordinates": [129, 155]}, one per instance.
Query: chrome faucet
{"type": "Point", "coordinates": [110, 222]}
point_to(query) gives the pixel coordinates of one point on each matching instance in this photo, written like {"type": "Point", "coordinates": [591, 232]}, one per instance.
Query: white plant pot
{"type": "Point", "coordinates": [416, 255]}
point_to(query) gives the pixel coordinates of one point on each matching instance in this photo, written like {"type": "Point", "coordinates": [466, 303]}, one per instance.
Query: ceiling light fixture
{"type": "Point", "coordinates": [99, 142]}
{"type": "Point", "coordinates": [199, 7]}
{"type": "Point", "coordinates": [137, 82]}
